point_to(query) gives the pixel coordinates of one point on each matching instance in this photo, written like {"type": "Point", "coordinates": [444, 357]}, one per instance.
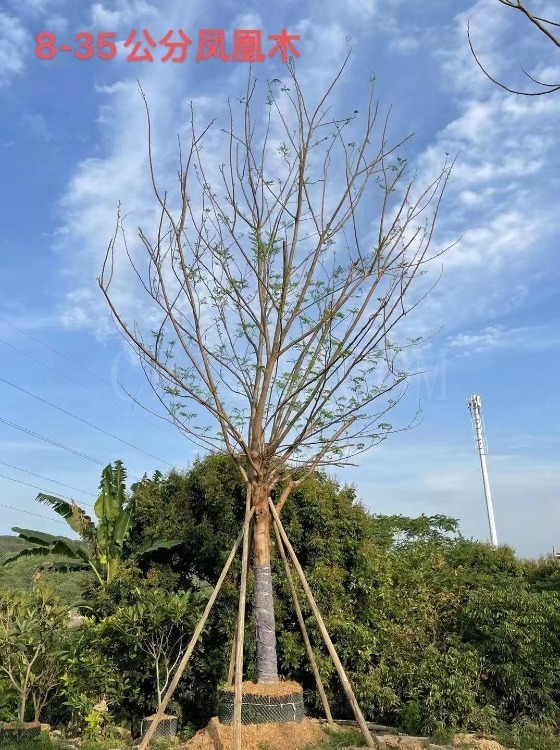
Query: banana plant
{"type": "Point", "coordinates": [100, 547]}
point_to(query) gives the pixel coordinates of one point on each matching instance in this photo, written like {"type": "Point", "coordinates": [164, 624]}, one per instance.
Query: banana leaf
{"type": "Point", "coordinates": [122, 526]}
{"type": "Point", "coordinates": [75, 517]}
{"type": "Point", "coordinates": [47, 544]}
{"type": "Point", "coordinates": [151, 545]}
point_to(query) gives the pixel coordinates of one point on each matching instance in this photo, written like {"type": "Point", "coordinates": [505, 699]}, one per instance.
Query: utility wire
{"type": "Point", "coordinates": [47, 479]}
{"type": "Point", "coordinates": [60, 354]}
{"type": "Point", "coordinates": [52, 442]}
{"type": "Point", "coordinates": [76, 382]}
{"type": "Point", "coordinates": [63, 375]}
{"type": "Point", "coordinates": [84, 421]}
{"type": "Point", "coordinates": [138, 415]}
{"type": "Point", "coordinates": [28, 512]}
{"type": "Point", "coordinates": [19, 481]}
{"type": "Point", "coordinates": [41, 489]}
{"type": "Point", "coordinates": [59, 445]}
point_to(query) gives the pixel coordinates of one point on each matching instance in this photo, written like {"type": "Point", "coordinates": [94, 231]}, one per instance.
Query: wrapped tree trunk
{"type": "Point", "coordinates": [267, 664]}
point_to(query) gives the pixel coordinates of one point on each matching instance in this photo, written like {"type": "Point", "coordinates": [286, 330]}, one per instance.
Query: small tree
{"type": "Point", "coordinates": [276, 282]}
{"type": "Point", "coordinates": [32, 625]}
{"type": "Point", "coordinates": [158, 625]}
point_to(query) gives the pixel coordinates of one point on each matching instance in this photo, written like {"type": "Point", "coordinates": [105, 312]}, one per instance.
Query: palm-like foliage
{"type": "Point", "coordinates": [100, 547]}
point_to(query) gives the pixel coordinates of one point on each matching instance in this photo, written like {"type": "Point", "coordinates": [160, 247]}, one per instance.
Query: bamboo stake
{"type": "Point", "coordinates": [196, 635]}
{"type": "Point", "coordinates": [238, 698]}
{"type": "Point", "coordinates": [326, 637]}
{"type": "Point", "coordinates": [304, 633]}
{"type": "Point", "coordinates": [231, 668]}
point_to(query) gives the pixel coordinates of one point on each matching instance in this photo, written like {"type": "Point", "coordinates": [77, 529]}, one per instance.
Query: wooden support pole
{"type": "Point", "coordinates": [323, 630]}
{"type": "Point", "coordinates": [240, 631]}
{"type": "Point", "coordinates": [231, 668]}
{"type": "Point", "coordinates": [307, 642]}
{"type": "Point", "coordinates": [196, 635]}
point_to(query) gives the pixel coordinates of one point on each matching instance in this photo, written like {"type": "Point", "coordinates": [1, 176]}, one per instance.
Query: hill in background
{"type": "Point", "coordinates": [23, 574]}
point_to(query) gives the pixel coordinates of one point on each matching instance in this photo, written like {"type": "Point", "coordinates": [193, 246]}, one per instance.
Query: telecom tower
{"type": "Point", "coordinates": [475, 408]}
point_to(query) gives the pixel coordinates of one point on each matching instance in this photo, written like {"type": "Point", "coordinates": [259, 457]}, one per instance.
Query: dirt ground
{"type": "Point", "coordinates": [286, 736]}
{"type": "Point", "coordinates": [402, 742]}
{"type": "Point", "coordinates": [293, 736]}
{"type": "Point", "coordinates": [478, 743]}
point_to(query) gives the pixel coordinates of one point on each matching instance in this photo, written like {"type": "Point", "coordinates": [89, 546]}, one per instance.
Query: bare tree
{"type": "Point", "coordinates": [550, 29]}
{"type": "Point", "coordinates": [278, 279]}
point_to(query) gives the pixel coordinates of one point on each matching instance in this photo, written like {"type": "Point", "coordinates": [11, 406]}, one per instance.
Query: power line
{"type": "Point", "coordinates": [76, 382]}
{"type": "Point", "coordinates": [57, 444]}
{"type": "Point", "coordinates": [20, 481]}
{"type": "Point", "coordinates": [41, 489]}
{"type": "Point", "coordinates": [84, 421]}
{"type": "Point", "coordinates": [52, 442]}
{"type": "Point", "coordinates": [28, 512]}
{"type": "Point", "coordinates": [138, 415]}
{"type": "Point", "coordinates": [47, 479]}
{"type": "Point", "coordinates": [60, 354]}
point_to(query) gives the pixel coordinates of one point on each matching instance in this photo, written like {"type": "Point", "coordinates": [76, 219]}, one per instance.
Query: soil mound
{"type": "Point", "coordinates": [476, 742]}
{"type": "Point", "coordinates": [285, 736]}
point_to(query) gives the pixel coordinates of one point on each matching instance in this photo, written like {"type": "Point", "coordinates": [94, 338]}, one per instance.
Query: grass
{"type": "Point", "coordinates": [522, 735]}
{"type": "Point", "coordinates": [335, 740]}
{"type": "Point", "coordinates": [525, 735]}
{"type": "Point", "coordinates": [45, 742]}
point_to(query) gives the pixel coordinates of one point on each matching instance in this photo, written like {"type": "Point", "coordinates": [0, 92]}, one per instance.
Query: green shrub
{"type": "Point", "coordinates": [524, 734]}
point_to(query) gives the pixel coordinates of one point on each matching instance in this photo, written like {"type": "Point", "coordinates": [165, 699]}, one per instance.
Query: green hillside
{"type": "Point", "coordinates": [9, 544]}
{"type": "Point", "coordinates": [22, 574]}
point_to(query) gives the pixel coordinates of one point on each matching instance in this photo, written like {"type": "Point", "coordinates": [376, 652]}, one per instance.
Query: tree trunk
{"type": "Point", "coordinates": [267, 665]}
{"type": "Point", "coordinates": [23, 701]}
{"type": "Point", "coordinates": [37, 707]}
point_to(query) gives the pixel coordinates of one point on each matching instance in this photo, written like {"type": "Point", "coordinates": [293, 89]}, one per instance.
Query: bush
{"type": "Point", "coordinates": [528, 735]}
{"type": "Point", "coordinates": [33, 633]}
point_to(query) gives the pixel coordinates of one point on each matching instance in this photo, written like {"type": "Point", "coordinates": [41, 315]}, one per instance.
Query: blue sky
{"type": "Point", "coordinates": [73, 142]}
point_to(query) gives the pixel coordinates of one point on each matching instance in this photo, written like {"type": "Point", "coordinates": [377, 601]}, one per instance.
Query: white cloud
{"type": "Point", "coordinates": [14, 48]}
{"type": "Point", "coordinates": [123, 12]}
{"type": "Point", "coordinates": [35, 7]}
{"type": "Point", "coordinates": [491, 337]}
{"type": "Point", "coordinates": [120, 173]}
{"type": "Point", "coordinates": [103, 17]}
{"type": "Point", "coordinates": [405, 44]}
{"type": "Point", "coordinates": [355, 11]}
{"type": "Point", "coordinates": [498, 337]}
{"type": "Point", "coordinates": [364, 9]}
{"type": "Point", "coordinates": [502, 199]}
{"type": "Point", "coordinates": [56, 23]}
{"type": "Point", "coordinates": [460, 72]}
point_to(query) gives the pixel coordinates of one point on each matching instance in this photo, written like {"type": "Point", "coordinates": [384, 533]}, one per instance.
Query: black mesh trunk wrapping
{"type": "Point", "coordinates": [267, 667]}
